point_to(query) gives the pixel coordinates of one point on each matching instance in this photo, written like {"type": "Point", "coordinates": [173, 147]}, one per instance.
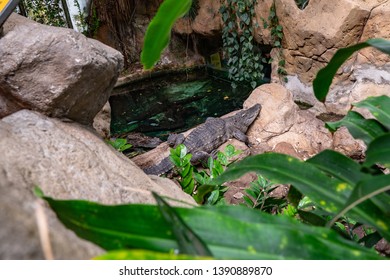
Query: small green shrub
{"type": "Point", "coordinates": [119, 144]}
{"type": "Point", "coordinates": [192, 180]}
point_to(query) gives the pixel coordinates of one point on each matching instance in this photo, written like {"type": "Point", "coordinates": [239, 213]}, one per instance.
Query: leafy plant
{"type": "Point", "coordinates": [120, 144]}
{"type": "Point", "coordinates": [244, 62]}
{"type": "Point", "coordinates": [276, 37]}
{"type": "Point", "coordinates": [335, 183]}
{"type": "Point", "coordinates": [331, 181]}
{"type": "Point", "coordinates": [192, 179]}
{"type": "Point", "coordinates": [138, 230]}
{"type": "Point", "coordinates": [258, 196]}
{"type": "Point", "coordinates": [46, 12]}
{"type": "Point", "coordinates": [181, 159]}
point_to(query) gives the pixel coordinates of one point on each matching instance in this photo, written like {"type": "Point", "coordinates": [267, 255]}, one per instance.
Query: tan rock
{"type": "Point", "coordinates": [67, 162]}
{"type": "Point", "coordinates": [102, 121]}
{"type": "Point", "coordinates": [377, 26]}
{"type": "Point", "coordinates": [278, 113]}
{"type": "Point", "coordinates": [312, 35]}
{"type": "Point", "coordinates": [344, 143]}
{"type": "Point", "coordinates": [206, 23]}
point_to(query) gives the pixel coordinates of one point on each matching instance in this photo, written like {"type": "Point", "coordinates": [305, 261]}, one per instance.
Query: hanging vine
{"type": "Point", "coordinates": [244, 62]}
{"type": "Point", "coordinates": [276, 38]}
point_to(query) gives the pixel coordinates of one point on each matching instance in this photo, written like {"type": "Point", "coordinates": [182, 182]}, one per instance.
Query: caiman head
{"type": "Point", "coordinates": [243, 119]}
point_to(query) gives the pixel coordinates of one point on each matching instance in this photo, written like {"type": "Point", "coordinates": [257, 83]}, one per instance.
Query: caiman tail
{"type": "Point", "coordinates": [164, 166]}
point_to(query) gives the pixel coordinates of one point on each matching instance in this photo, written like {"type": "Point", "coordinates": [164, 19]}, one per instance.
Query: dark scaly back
{"type": "Point", "coordinates": [208, 136]}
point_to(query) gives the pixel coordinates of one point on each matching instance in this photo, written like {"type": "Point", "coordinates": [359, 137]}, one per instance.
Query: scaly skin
{"type": "Point", "coordinates": [207, 137]}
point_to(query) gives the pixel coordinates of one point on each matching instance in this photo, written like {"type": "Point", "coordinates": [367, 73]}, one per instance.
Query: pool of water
{"type": "Point", "coordinates": [175, 102]}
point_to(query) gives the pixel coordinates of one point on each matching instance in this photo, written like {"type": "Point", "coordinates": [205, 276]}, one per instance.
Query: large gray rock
{"type": "Point", "coordinates": [56, 71]}
{"type": "Point", "coordinates": [67, 162]}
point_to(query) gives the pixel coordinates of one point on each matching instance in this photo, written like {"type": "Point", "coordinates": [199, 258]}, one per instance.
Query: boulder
{"type": "Point", "coordinates": [102, 121]}
{"type": "Point", "coordinates": [278, 112]}
{"type": "Point", "coordinates": [282, 121]}
{"type": "Point", "coordinates": [311, 39]}
{"type": "Point", "coordinates": [67, 161]}
{"type": "Point", "coordinates": [56, 71]}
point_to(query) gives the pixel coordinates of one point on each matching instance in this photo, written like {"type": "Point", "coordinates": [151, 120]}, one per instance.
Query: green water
{"type": "Point", "coordinates": [174, 103]}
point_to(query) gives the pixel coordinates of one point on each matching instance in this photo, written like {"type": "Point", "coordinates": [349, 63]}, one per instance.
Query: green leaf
{"type": "Point", "coordinates": [360, 128]}
{"type": "Point", "coordinates": [339, 166]}
{"type": "Point", "coordinates": [158, 33]}
{"type": "Point", "coordinates": [202, 192]}
{"type": "Point", "coordinates": [189, 242]}
{"type": "Point", "coordinates": [38, 192]}
{"type": "Point", "coordinates": [284, 169]}
{"type": "Point", "coordinates": [379, 151]}
{"type": "Point", "coordinates": [327, 191]}
{"type": "Point", "coordinates": [379, 106]}
{"type": "Point", "coordinates": [144, 255]}
{"type": "Point", "coordinates": [323, 80]}
{"type": "Point", "coordinates": [363, 191]}
{"type": "Point", "coordinates": [143, 227]}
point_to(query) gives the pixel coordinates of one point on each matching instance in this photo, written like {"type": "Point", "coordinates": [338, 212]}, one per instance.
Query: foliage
{"type": "Point", "coordinates": [337, 184]}
{"type": "Point", "coordinates": [258, 196]}
{"type": "Point", "coordinates": [181, 160]}
{"type": "Point", "coordinates": [80, 18]}
{"type": "Point", "coordinates": [192, 179]}
{"type": "Point", "coordinates": [46, 12]}
{"type": "Point", "coordinates": [158, 33]}
{"type": "Point", "coordinates": [119, 144]}
{"type": "Point", "coordinates": [144, 228]}
{"type": "Point", "coordinates": [332, 182]}
{"type": "Point", "coordinates": [276, 37]}
{"type": "Point", "coordinates": [244, 62]}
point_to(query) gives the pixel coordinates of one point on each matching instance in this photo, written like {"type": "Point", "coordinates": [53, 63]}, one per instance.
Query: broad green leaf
{"type": "Point", "coordinates": [328, 192]}
{"type": "Point", "coordinates": [379, 151]}
{"type": "Point", "coordinates": [359, 127]}
{"type": "Point", "coordinates": [145, 255]}
{"type": "Point", "coordinates": [339, 166]}
{"type": "Point", "coordinates": [159, 30]}
{"type": "Point", "coordinates": [283, 169]}
{"type": "Point", "coordinates": [362, 192]}
{"type": "Point", "coordinates": [323, 80]}
{"type": "Point", "coordinates": [202, 192]}
{"type": "Point", "coordinates": [379, 106]}
{"type": "Point", "coordinates": [230, 232]}
{"type": "Point", "coordinates": [189, 243]}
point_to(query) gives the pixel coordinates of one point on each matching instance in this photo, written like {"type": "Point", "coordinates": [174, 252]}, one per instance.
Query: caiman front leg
{"type": "Point", "coordinates": [240, 136]}
{"type": "Point", "coordinates": [175, 140]}
{"type": "Point", "coordinates": [199, 156]}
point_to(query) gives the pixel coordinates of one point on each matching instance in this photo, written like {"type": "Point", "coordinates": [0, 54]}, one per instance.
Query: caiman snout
{"type": "Point", "coordinates": [250, 114]}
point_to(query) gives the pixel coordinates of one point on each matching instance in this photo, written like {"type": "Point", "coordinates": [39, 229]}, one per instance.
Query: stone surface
{"type": "Point", "coordinates": [344, 143]}
{"type": "Point", "coordinates": [66, 161]}
{"type": "Point", "coordinates": [278, 113]}
{"type": "Point", "coordinates": [207, 22]}
{"type": "Point", "coordinates": [56, 71]}
{"type": "Point", "coordinates": [102, 121]}
{"type": "Point", "coordinates": [311, 39]}
{"type": "Point", "coordinates": [282, 121]}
